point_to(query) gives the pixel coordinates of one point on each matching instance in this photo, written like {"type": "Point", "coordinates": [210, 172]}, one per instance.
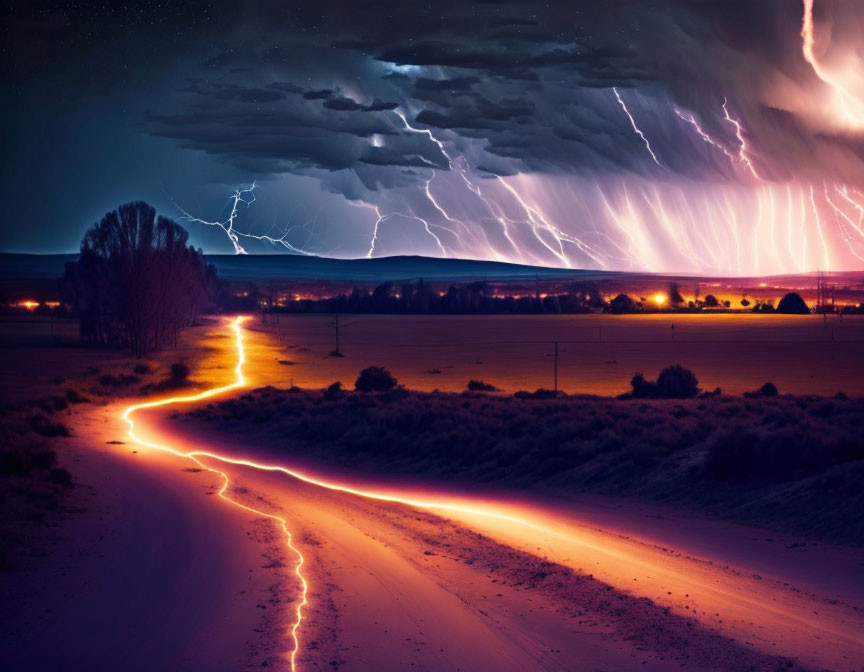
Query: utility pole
{"type": "Point", "coordinates": [337, 332]}
{"type": "Point", "coordinates": [278, 330]}
{"type": "Point", "coordinates": [556, 367]}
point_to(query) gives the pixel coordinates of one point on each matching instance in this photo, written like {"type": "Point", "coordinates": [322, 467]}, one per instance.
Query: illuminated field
{"type": "Point", "coordinates": [598, 354]}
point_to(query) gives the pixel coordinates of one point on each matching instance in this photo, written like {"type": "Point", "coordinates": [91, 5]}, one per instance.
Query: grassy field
{"type": "Point", "coordinates": [597, 354]}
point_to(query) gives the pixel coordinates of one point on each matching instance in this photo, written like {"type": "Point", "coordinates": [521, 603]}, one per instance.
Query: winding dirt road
{"type": "Point", "coordinates": [374, 578]}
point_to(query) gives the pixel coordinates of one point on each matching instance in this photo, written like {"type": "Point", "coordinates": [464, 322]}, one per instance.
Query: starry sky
{"type": "Point", "coordinates": [705, 136]}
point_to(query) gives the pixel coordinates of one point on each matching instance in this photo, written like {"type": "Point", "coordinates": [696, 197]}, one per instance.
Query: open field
{"type": "Point", "coordinates": [605, 582]}
{"type": "Point", "coordinates": [598, 354]}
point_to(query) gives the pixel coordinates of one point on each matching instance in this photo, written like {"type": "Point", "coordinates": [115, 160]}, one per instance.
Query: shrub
{"type": "Point", "coordinates": [769, 389]}
{"type": "Point", "coordinates": [793, 304]}
{"type": "Point", "coordinates": [676, 382]}
{"type": "Point", "coordinates": [375, 379]}
{"type": "Point", "coordinates": [711, 301]}
{"type": "Point", "coordinates": [141, 369]}
{"type": "Point", "coordinates": [541, 393]}
{"type": "Point", "coordinates": [122, 380]}
{"type": "Point", "coordinates": [74, 397]}
{"type": "Point", "coordinates": [622, 304]}
{"type": "Point", "coordinates": [42, 425]}
{"type": "Point", "coordinates": [179, 371]}
{"type": "Point", "coordinates": [643, 389]}
{"type": "Point", "coordinates": [334, 391]}
{"type": "Point", "coordinates": [480, 386]}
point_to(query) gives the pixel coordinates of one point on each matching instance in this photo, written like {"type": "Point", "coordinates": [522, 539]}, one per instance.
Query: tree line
{"type": "Point", "coordinates": [137, 282]}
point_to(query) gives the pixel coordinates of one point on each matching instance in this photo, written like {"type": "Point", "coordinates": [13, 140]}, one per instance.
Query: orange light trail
{"type": "Point", "coordinates": [491, 510]}
{"type": "Point", "coordinates": [239, 382]}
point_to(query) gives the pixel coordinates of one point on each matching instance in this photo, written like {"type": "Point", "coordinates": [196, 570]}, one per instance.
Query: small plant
{"type": "Point", "coordinates": [375, 379]}
{"type": "Point", "coordinates": [769, 389]}
{"type": "Point", "coordinates": [75, 397]}
{"type": "Point", "coordinates": [179, 371]}
{"type": "Point", "coordinates": [334, 391]}
{"type": "Point", "coordinates": [480, 386]}
{"type": "Point", "coordinates": [121, 380]}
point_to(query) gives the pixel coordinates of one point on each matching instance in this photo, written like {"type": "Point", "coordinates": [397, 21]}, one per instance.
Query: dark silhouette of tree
{"type": "Point", "coordinates": [711, 301]}
{"type": "Point", "coordinates": [136, 281]}
{"type": "Point", "coordinates": [675, 297]}
{"type": "Point", "coordinates": [793, 304]}
{"type": "Point", "coordinates": [676, 382]}
{"type": "Point", "coordinates": [375, 379]}
{"type": "Point", "coordinates": [622, 304]}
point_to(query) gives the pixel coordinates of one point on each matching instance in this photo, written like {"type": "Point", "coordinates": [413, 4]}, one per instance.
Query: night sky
{"type": "Point", "coordinates": [713, 137]}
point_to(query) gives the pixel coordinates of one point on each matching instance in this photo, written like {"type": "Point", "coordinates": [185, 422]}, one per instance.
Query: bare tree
{"type": "Point", "coordinates": [136, 280]}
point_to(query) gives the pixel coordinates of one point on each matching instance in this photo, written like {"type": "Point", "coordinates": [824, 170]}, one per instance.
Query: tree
{"type": "Point", "coordinates": [676, 382]}
{"type": "Point", "coordinates": [711, 301]}
{"type": "Point", "coordinates": [675, 297]}
{"type": "Point", "coordinates": [136, 281]}
{"type": "Point", "coordinates": [622, 304]}
{"type": "Point", "coordinates": [793, 304]}
{"type": "Point", "coordinates": [375, 379]}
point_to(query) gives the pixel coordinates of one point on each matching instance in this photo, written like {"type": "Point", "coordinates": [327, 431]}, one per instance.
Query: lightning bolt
{"type": "Point", "coordinates": [690, 119]}
{"type": "Point", "coordinates": [244, 196]}
{"type": "Point", "coordinates": [742, 149]}
{"type": "Point", "coordinates": [808, 40]}
{"type": "Point", "coordinates": [841, 217]}
{"type": "Point", "coordinates": [534, 217]}
{"type": "Point", "coordinates": [635, 127]}
{"type": "Point", "coordinates": [819, 228]}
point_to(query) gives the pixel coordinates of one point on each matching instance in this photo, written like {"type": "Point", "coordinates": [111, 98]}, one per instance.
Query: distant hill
{"type": "Point", "coordinates": [294, 267]}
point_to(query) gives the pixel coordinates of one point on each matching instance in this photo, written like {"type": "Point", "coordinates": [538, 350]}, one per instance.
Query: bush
{"type": "Point", "coordinates": [480, 386]}
{"type": "Point", "coordinates": [334, 391]}
{"type": "Point", "coordinates": [643, 389]}
{"type": "Point", "coordinates": [676, 382]}
{"type": "Point", "coordinates": [711, 301]}
{"type": "Point", "coordinates": [74, 397]}
{"type": "Point", "coordinates": [767, 390]}
{"type": "Point", "coordinates": [375, 379]}
{"type": "Point", "coordinates": [179, 371]}
{"type": "Point", "coordinates": [43, 426]}
{"type": "Point", "coordinates": [141, 369]}
{"type": "Point", "coordinates": [622, 304]}
{"type": "Point", "coordinates": [541, 393]}
{"type": "Point", "coordinates": [792, 304]}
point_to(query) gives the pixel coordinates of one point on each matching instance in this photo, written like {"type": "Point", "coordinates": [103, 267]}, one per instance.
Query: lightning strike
{"type": "Point", "coordinates": [742, 149]}
{"type": "Point", "coordinates": [635, 127]}
{"type": "Point", "coordinates": [691, 119]}
{"type": "Point", "coordinates": [844, 97]}
{"type": "Point", "coordinates": [244, 196]}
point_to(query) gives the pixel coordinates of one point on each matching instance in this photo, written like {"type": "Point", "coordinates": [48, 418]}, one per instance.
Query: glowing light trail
{"type": "Point", "coordinates": [239, 382]}
{"type": "Point", "coordinates": [635, 127]}
{"type": "Point", "coordinates": [488, 511]}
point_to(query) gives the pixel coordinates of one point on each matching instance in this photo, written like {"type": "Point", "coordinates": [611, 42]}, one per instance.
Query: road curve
{"type": "Point", "coordinates": [391, 585]}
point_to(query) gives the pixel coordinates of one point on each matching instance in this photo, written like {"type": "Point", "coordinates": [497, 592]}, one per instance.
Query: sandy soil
{"type": "Point", "coordinates": [598, 354]}
{"type": "Point", "coordinates": [160, 573]}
